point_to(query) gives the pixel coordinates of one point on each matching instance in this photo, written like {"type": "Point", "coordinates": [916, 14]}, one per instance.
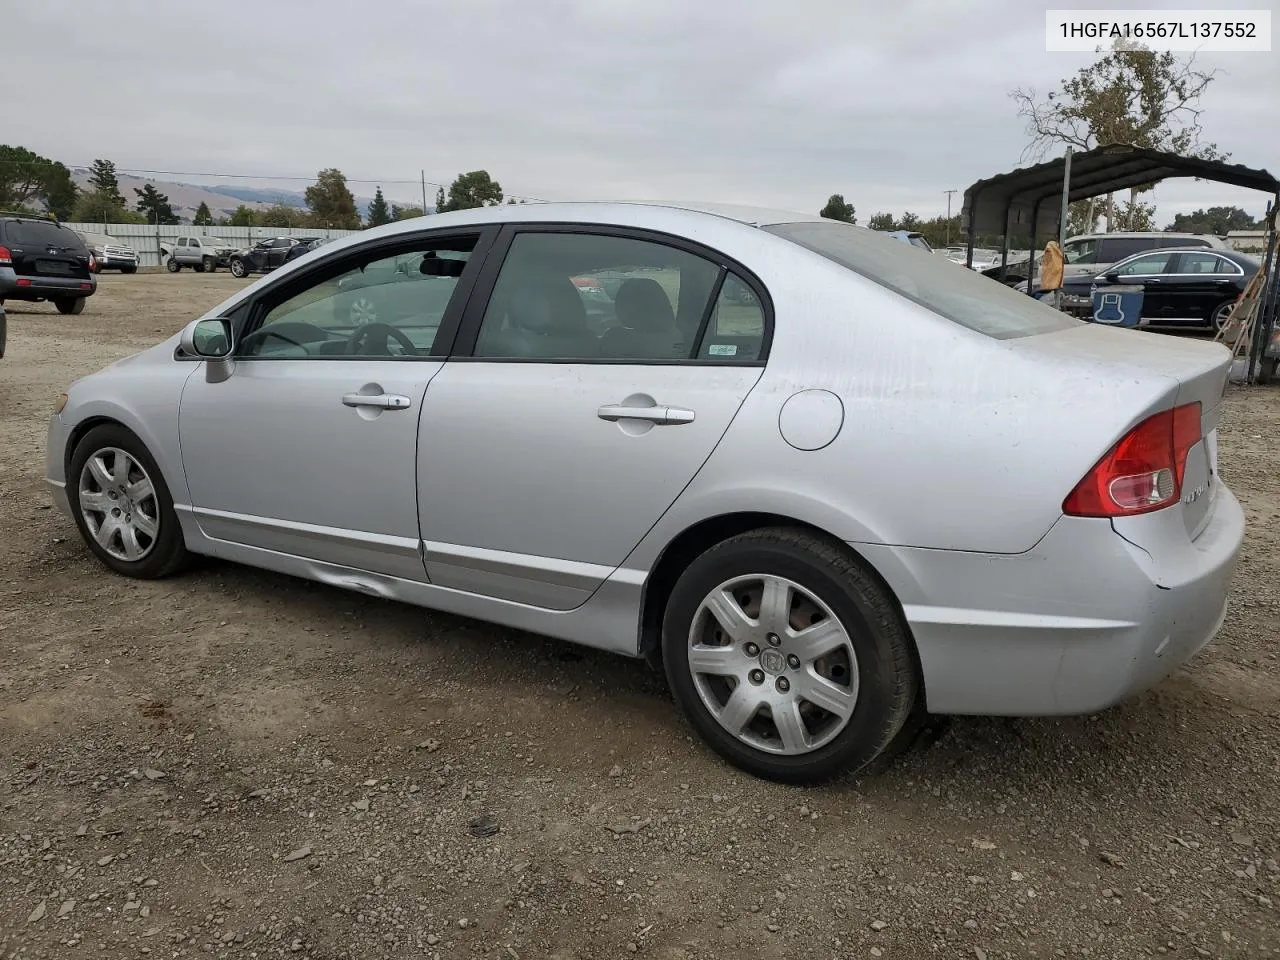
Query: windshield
{"type": "Point", "coordinates": [958, 294]}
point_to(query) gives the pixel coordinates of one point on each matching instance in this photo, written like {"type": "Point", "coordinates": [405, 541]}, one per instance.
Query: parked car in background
{"type": "Point", "coordinates": [40, 259]}
{"type": "Point", "coordinates": [633, 485]}
{"type": "Point", "coordinates": [1182, 286]}
{"type": "Point", "coordinates": [912, 237]}
{"type": "Point", "coordinates": [1090, 254]}
{"type": "Point", "coordinates": [110, 253]}
{"type": "Point", "coordinates": [268, 255]}
{"type": "Point", "coordinates": [201, 254]}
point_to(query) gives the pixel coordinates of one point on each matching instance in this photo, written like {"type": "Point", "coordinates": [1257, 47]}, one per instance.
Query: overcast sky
{"type": "Point", "coordinates": [774, 104]}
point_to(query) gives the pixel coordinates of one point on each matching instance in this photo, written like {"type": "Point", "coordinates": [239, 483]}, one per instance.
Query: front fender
{"type": "Point", "coordinates": [146, 405]}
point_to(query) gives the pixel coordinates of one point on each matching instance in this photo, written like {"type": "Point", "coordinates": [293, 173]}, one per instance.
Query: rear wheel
{"type": "Point", "coordinates": [788, 656]}
{"type": "Point", "coordinates": [173, 266]}
{"type": "Point", "coordinates": [74, 305]}
{"type": "Point", "coordinates": [1221, 313]}
{"type": "Point", "coordinates": [122, 506]}
{"type": "Point", "coordinates": [238, 268]}
{"type": "Point", "coordinates": [210, 265]}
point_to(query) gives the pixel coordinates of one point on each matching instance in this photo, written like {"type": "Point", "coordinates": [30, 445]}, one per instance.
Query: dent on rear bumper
{"type": "Point", "coordinates": [1081, 622]}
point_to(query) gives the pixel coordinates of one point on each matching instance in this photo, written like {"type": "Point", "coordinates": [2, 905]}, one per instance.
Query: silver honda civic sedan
{"type": "Point", "coordinates": [830, 482]}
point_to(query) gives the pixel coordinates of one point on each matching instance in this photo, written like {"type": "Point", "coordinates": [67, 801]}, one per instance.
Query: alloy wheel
{"type": "Point", "coordinates": [363, 311]}
{"type": "Point", "coordinates": [773, 664]}
{"type": "Point", "coordinates": [119, 505]}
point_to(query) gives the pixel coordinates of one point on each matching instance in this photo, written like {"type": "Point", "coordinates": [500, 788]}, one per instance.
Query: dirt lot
{"type": "Point", "coordinates": [238, 764]}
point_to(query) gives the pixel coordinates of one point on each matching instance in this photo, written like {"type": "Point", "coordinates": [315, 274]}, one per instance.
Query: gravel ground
{"type": "Point", "coordinates": [237, 764]}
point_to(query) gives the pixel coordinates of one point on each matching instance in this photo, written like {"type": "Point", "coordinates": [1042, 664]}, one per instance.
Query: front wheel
{"type": "Point", "coordinates": [122, 506]}
{"type": "Point", "coordinates": [73, 306]}
{"type": "Point", "coordinates": [238, 269]}
{"type": "Point", "coordinates": [129, 270]}
{"type": "Point", "coordinates": [172, 265]}
{"type": "Point", "coordinates": [788, 656]}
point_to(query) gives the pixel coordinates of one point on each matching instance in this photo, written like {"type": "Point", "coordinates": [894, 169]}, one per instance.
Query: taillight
{"type": "Point", "coordinates": [1143, 472]}
{"type": "Point", "coordinates": [5, 255]}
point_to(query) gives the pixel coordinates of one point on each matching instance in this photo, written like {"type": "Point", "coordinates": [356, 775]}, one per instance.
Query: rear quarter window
{"type": "Point", "coordinates": [950, 290]}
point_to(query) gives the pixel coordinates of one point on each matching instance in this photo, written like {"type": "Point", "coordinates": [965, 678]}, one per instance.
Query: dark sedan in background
{"type": "Point", "coordinates": [267, 255]}
{"type": "Point", "coordinates": [1187, 287]}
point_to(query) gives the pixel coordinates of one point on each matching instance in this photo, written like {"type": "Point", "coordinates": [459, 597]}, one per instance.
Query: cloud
{"type": "Point", "coordinates": [774, 104]}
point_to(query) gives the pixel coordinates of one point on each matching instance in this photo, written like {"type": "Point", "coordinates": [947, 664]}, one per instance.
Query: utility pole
{"type": "Point", "coordinates": [948, 193]}
{"type": "Point", "coordinates": [424, 191]}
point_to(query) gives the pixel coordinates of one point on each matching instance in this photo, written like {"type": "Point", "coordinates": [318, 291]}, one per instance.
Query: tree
{"type": "Point", "coordinates": [243, 217]}
{"type": "Point", "coordinates": [379, 212]}
{"type": "Point", "coordinates": [470, 190]}
{"type": "Point", "coordinates": [1129, 95]}
{"type": "Point", "coordinates": [97, 207]}
{"type": "Point", "coordinates": [837, 209]}
{"type": "Point", "coordinates": [908, 221]}
{"type": "Point", "coordinates": [103, 179]}
{"type": "Point", "coordinates": [331, 203]}
{"type": "Point", "coordinates": [154, 205]}
{"type": "Point", "coordinates": [281, 215]}
{"type": "Point", "coordinates": [1216, 220]}
{"type": "Point", "coordinates": [26, 176]}
{"type": "Point", "coordinates": [882, 221]}
{"type": "Point", "coordinates": [203, 217]}
{"type": "Point", "coordinates": [403, 213]}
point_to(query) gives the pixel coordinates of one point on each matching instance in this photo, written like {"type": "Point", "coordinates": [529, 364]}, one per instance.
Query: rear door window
{"type": "Point", "coordinates": [949, 290]}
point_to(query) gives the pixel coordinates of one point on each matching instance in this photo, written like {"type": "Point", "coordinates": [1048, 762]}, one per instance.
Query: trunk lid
{"type": "Point", "coordinates": [1194, 370]}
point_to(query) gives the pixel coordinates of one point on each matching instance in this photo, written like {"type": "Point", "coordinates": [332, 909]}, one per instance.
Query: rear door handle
{"type": "Point", "coordinates": [383, 401]}
{"type": "Point", "coordinates": [616, 411]}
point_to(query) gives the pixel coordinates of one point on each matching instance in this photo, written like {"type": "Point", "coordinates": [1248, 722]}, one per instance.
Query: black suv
{"type": "Point", "coordinates": [40, 259]}
{"type": "Point", "coordinates": [270, 254]}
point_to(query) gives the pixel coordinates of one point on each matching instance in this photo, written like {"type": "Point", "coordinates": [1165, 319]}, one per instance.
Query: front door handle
{"type": "Point", "coordinates": [383, 401]}
{"type": "Point", "coordinates": [617, 411]}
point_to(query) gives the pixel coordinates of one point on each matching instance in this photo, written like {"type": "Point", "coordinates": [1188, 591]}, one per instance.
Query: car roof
{"type": "Point", "coordinates": [1139, 233]}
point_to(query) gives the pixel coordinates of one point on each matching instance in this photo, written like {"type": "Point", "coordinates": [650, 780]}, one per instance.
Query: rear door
{"type": "Point", "coordinates": [1200, 284]}
{"type": "Point", "coordinates": [47, 251]}
{"type": "Point", "coordinates": [562, 429]}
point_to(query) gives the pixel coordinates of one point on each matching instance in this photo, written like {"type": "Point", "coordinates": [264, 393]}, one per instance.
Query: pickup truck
{"type": "Point", "coordinates": [201, 254]}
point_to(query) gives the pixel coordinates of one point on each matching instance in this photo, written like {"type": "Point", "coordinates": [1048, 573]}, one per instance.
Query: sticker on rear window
{"type": "Point", "coordinates": [722, 349]}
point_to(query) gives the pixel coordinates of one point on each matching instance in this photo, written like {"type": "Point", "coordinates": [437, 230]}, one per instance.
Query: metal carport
{"type": "Point", "coordinates": [1032, 201]}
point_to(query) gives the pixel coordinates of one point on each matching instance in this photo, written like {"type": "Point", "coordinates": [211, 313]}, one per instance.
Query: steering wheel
{"type": "Point", "coordinates": [304, 332]}
{"type": "Point", "coordinates": [385, 333]}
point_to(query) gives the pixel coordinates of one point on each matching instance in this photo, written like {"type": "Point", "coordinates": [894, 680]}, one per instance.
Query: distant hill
{"type": "Point", "coordinates": [185, 198]}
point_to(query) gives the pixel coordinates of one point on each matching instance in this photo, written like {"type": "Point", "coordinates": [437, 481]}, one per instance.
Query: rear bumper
{"type": "Point", "coordinates": [1083, 621]}
{"type": "Point", "coordinates": [42, 288]}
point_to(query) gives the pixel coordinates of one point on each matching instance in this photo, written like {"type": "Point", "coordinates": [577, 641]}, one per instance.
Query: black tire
{"type": "Point", "coordinates": [128, 269]}
{"type": "Point", "coordinates": [198, 266]}
{"type": "Point", "coordinates": [168, 553]}
{"type": "Point", "coordinates": [888, 683]}
{"type": "Point", "coordinates": [238, 268]}
{"type": "Point", "coordinates": [73, 305]}
{"type": "Point", "coordinates": [172, 265]}
{"type": "Point", "coordinates": [210, 265]}
{"type": "Point", "coordinates": [1267, 370]}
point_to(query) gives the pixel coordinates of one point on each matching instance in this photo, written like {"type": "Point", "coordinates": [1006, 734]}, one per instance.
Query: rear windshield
{"type": "Point", "coordinates": [948, 289]}
{"type": "Point", "coordinates": [37, 233]}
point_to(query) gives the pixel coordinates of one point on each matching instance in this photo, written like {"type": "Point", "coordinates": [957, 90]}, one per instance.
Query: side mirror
{"type": "Point", "coordinates": [1112, 277]}
{"type": "Point", "coordinates": [209, 339]}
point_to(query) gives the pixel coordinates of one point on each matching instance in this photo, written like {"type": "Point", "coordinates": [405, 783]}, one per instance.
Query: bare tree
{"type": "Point", "coordinates": [1129, 95]}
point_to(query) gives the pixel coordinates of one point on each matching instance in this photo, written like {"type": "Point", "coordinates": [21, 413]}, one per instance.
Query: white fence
{"type": "Point", "coordinates": [146, 238]}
